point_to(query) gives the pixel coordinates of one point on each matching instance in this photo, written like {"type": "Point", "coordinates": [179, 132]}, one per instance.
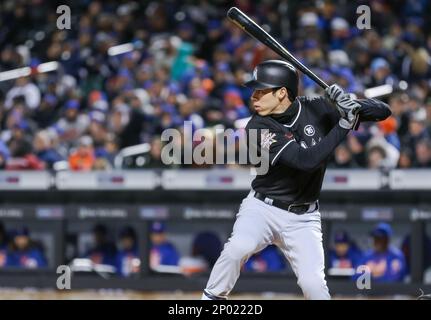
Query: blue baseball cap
{"type": "Point", "coordinates": [379, 63]}
{"type": "Point", "coordinates": [158, 227]}
{"type": "Point", "coordinates": [383, 229]}
{"type": "Point", "coordinates": [22, 124]}
{"type": "Point", "coordinates": [341, 237]}
{"type": "Point", "coordinates": [23, 231]}
{"type": "Point", "coordinates": [72, 104]}
{"type": "Point", "coordinates": [50, 99]}
{"type": "Point", "coordinates": [214, 24]}
{"type": "Point", "coordinates": [127, 232]}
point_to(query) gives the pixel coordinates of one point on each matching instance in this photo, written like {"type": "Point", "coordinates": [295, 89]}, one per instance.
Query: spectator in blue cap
{"type": "Point", "coordinates": [344, 254]}
{"type": "Point", "coordinates": [381, 73]}
{"type": "Point", "coordinates": [385, 262]}
{"type": "Point", "coordinates": [26, 253]}
{"type": "Point", "coordinates": [73, 124]}
{"type": "Point", "coordinates": [163, 252]}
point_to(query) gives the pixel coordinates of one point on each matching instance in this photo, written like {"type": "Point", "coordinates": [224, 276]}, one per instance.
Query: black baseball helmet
{"type": "Point", "coordinates": [274, 74]}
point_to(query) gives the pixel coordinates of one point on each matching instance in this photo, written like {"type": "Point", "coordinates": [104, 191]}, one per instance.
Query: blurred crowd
{"type": "Point", "coordinates": [128, 70]}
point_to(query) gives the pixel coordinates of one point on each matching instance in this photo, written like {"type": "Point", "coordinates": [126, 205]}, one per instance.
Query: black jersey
{"type": "Point", "coordinates": [299, 142]}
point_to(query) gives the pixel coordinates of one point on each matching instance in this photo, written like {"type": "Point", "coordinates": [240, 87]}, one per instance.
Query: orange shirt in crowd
{"type": "Point", "coordinates": [79, 161]}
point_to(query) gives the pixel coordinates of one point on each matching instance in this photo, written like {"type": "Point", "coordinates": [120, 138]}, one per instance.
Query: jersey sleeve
{"type": "Point", "coordinates": [281, 147]}
{"type": "Point", "coordinates": [309, 159]}
{"type": "Point", "coordinates": [371, 110]}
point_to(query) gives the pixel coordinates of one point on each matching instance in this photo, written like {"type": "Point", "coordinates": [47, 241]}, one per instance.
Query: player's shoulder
{"type": "Point", "coordinates": [259, 122]}
{"type": "Point", "coordinates": [312, 101]}
{"type": "Point", "coordinates": [317, 104]}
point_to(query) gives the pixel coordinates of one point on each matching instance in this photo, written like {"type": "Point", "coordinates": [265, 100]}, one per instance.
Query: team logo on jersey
{"type": "Point", "coordinates": [267, 138]}
{"type": "Point", "coordinates": [255, 74]}
{"type": "Point", "coordinates": [309, 130]}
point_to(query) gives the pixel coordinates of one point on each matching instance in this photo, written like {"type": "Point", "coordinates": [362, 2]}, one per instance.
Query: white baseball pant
{"type": "Point", "coordinates": [257, 225]}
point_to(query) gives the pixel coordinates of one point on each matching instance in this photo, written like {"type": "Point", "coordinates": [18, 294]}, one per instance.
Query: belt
{"type": "Point", "coordinates": [297, 208]}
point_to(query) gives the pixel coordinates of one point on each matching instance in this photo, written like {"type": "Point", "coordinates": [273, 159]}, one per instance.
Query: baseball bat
{"type": "Point", "coordinates": [244, 22]}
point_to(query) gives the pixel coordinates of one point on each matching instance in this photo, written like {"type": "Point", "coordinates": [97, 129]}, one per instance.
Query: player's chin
{"type": "Point", "coordinates": [261, 112]}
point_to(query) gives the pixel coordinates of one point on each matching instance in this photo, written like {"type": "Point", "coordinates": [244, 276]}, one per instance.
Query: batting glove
{"type": "Point", "coordinates": [349, 111]}
{"type": "Point", "coordinates": [334, 92]}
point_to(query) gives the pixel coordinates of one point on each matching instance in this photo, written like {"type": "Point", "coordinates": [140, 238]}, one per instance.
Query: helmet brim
{"type": "Point", "coordinates": [256, 85]}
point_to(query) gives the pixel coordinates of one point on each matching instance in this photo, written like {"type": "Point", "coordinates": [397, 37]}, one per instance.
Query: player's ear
{"type": "Point", "coordinates": [282, 93]}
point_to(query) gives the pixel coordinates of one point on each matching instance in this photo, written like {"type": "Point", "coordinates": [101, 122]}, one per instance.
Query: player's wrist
{"type": "Point", "coordinates": [346, 124]}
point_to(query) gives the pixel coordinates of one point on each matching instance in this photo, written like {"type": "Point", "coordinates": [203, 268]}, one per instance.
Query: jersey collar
{"type": "Point", "coordinates": [289, 117]}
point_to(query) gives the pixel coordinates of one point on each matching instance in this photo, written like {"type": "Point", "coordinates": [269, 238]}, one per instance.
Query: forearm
{"type": "Point", "coordinates": [373, 110]}
{"type": "Point", "coordinates": [311, 158]}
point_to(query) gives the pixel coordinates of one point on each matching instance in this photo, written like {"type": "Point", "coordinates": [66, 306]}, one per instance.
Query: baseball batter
{"type": "Point", "coordinates": [282, 208]}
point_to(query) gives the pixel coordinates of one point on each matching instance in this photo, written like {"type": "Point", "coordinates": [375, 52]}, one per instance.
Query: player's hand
{"type": "Point", "coordinates": [334, 92]}
{"type": "Point", "coordinates": [349, 111]}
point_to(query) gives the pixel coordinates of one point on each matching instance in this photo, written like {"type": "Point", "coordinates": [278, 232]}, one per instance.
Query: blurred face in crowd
{"type": "Point", "coordinates": [423, 152]}
{"type": "Point", "coordinates": [21, 242]}
{"type": "Point", "coordinates": [158, 238]}
{"type": "Point", "coordinates": [40, 142]}
{"type": "Point", "coordinates": [162, 74]}
{"type": "Point", "coordinates": [186, 108]}
{"type": "Point", "coordinates": [416, 127]}
{"type": "Point", "coordinates": [85, 150]}
{"type": "Point", "coordinates": [341, 248]}
{"type": "Point", "coordinates": [111, 146]}
{"type": "Point", "coordinates": [156, 148]}
{"type": "Point", "coordinates": [375, 158]}
{"type": "Point", "coordinates": [97, 131]}
{"type": "Point", "coordinates": [405, 160]}
{"type": "Point", "coordinates": [381, 73]}
{"type": "Point", "coordinates": [20, 82]}
{"type": "Point", "coordinates": [71, 114]}
{"type": "Point", "coordinates": [144, 74]}
{"type": "Point", "coordinates": [397, 104]}
{"type": "Point", "coordinates": [84, 39]}
{"type": "Point", "coordinates": [127, 243]}
{"type": "Point", "coordinates": [270, 101]}
{"type": "Point", "coordinates": [342, 155]}
{"type": "Point", "coordinates": [381, 243]}
{"type": "Point", "coordinates": [99, 237]}
{"type": "Point", "coordinates": [17, 133]}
